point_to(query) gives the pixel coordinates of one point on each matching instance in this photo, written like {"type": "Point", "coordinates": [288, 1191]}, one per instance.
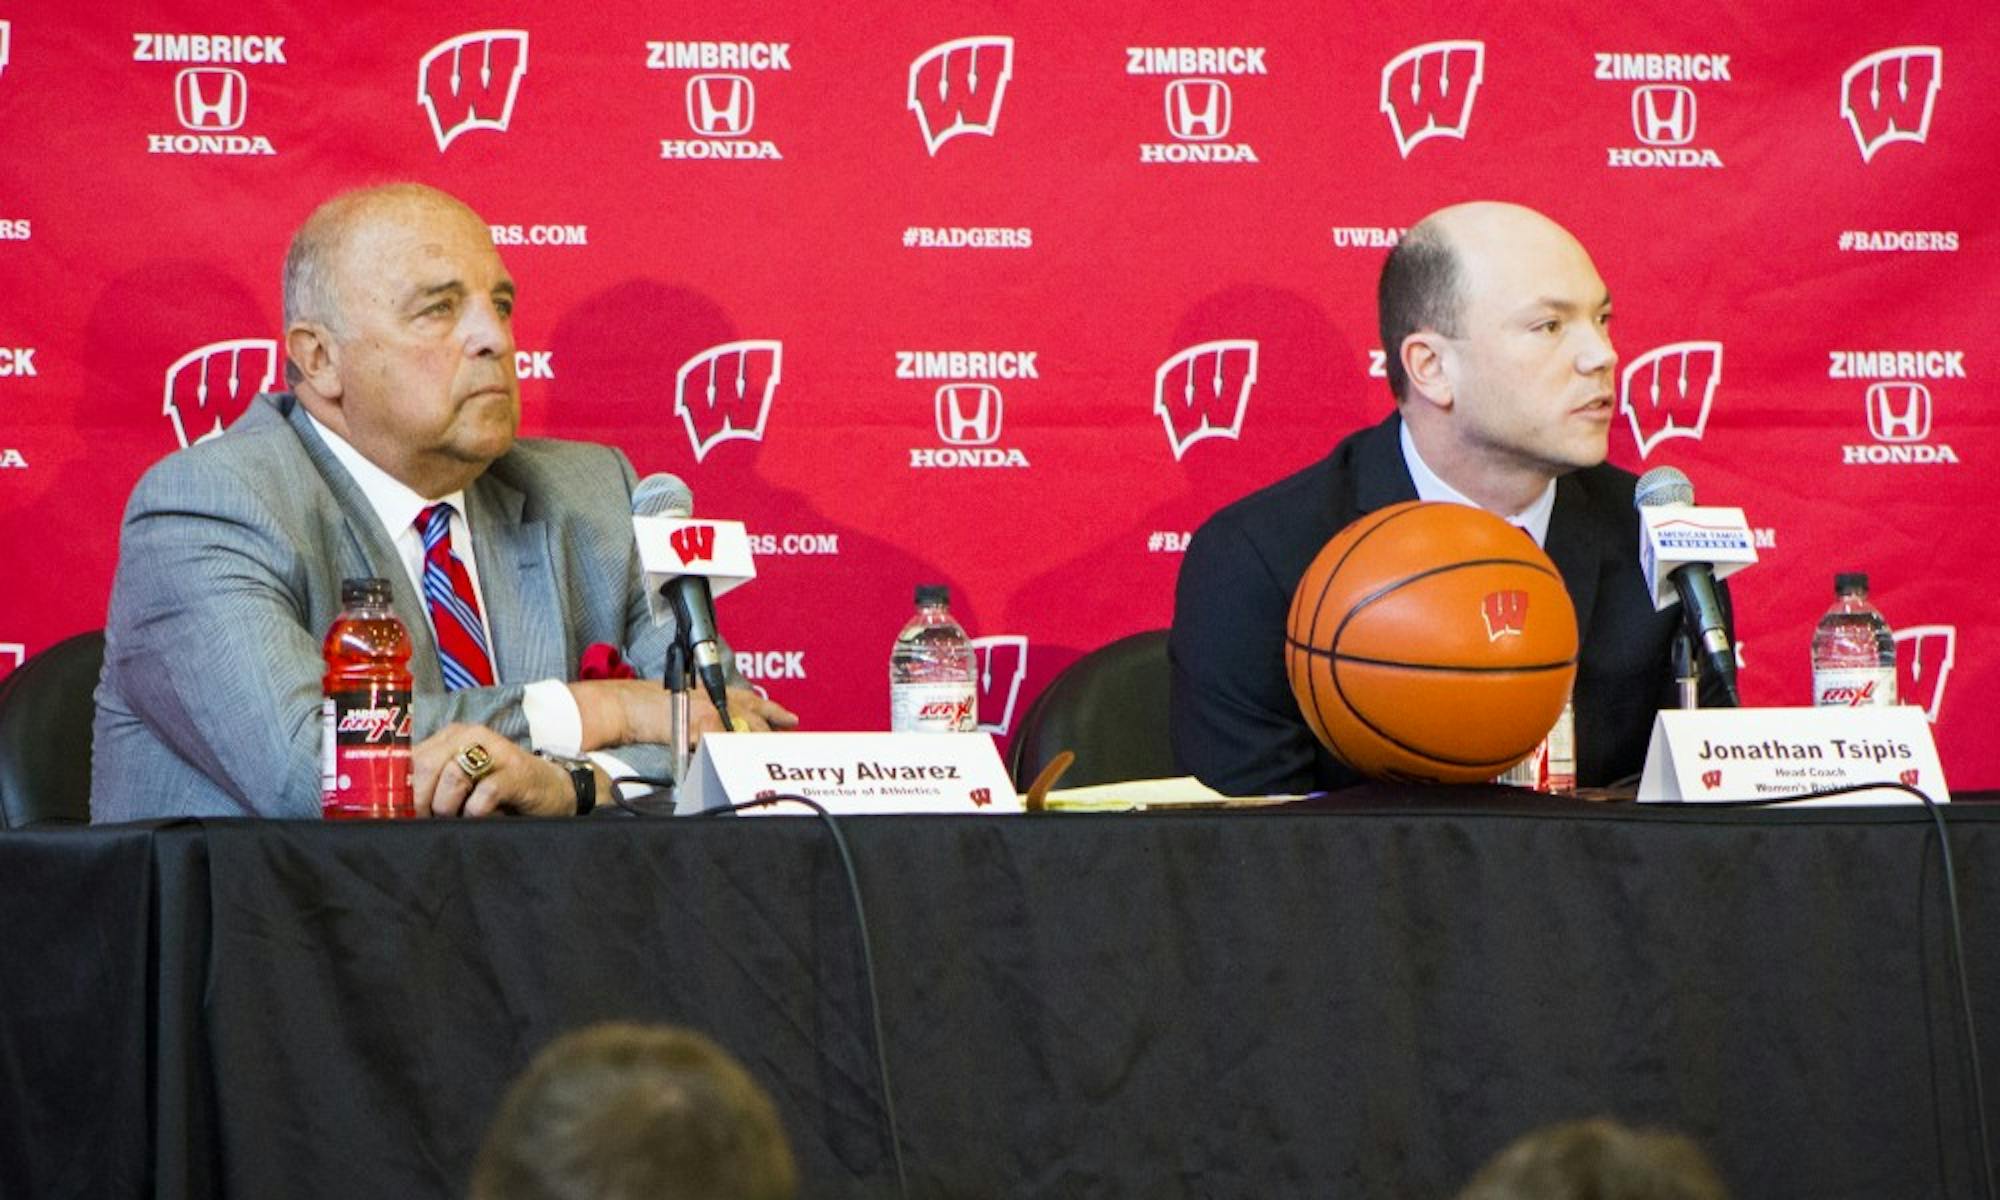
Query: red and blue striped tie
{"type": "Point", "coordinates": [461, 635]}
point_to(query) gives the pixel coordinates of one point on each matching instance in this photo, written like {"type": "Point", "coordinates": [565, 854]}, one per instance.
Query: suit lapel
{"type": "Point", "coordinates": [370, 548]}
{"type": "Point", "coordinates": [1578, 555]}
{"type": "Point", "coordinates": [1381, 477]}
{"type": "Point", "coordinates": [517, 581]}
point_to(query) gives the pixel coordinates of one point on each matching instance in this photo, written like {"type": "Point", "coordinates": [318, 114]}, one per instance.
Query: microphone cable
{"type": "Point", "coordinates": [860, 922]}
{"type": "Point", "coordinates": [1959, 970]}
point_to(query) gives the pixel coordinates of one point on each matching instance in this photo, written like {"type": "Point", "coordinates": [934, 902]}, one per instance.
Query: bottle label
{"type": "Point", "coordinates": [365, 753]}
{"type": "Point", "coordinates": [1552, 767]}
{"type": "Point", "coordinates": [933, 708]}
{"type": "Point", "coordinates": [1853, 687]}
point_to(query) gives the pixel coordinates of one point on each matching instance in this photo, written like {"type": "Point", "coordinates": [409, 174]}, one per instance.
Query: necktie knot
{"type": "Point", "coordinates": [434, 524]}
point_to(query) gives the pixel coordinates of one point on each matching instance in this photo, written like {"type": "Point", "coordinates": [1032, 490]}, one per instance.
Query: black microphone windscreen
{"type": "Point", "coordinates": [1661, 485]}
{"type": "Point", "coordinates": [662, 495]}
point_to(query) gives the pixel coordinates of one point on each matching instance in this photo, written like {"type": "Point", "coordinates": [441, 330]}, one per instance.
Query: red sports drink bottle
{"type": "Point", "coordinates": [365, 723]}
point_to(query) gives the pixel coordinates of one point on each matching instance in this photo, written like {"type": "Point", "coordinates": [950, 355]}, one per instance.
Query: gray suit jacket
{"type": "Point", "coordinates": [229, 570]}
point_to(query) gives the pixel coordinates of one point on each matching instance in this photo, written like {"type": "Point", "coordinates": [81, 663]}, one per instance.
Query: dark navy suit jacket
{"type": "Point", "coordinates": [1236, 726]}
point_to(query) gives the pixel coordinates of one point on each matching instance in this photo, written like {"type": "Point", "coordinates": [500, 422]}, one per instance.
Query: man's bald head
{"type": "Point", "coordinates": [312, 263]}
{"type": "Point", "coordinates": [1423, 283]}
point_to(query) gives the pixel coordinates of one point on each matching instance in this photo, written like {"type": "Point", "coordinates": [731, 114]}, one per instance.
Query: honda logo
{"type": "Point", "coordinates": [1506, 613]}
{"type": "Point", "coordinates": [1899, 411]}
{"type": "Point", "coordinates": [968, 414]}
{"type": "Point", "coordinates": [1663, 114]}
{"type": "Point", "coordinates": [721, 105]}
{"type": "Point", "coordinates": [1202, 391]}
{"type": "Point", "coordinates": [1924, 658]}
{"type": "Point", "coordinates": [725, 392]}
{"type": "Point", "coordinates": [1675, 386]}
{"type": "Point", "coordinates": [956, 87]}
{"type": "Point", "coordinates": [209, 387]}
{"type": "Point", "coordinates": [1427, 90]}
{"type": "Point", "coordinates": [470, 81]}
{"type": "Point", "coordinates": [1888, 96]}
{"type": "Point", "coordinates": [211, 99]}
{"type": "Point", "coordinates": [1197, 109]}
{"type": "Point", "coordinates": [1003, 665]}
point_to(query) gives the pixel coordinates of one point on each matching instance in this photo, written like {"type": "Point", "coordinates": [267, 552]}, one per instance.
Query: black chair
{"type": "Point", "coordinates": [1110, 707]}
{"type": "Point", "coordinates": [45, 715]}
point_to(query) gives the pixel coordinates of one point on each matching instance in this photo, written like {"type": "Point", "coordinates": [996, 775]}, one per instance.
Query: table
{"type": "Point", "coordinates": [1362, 1000]}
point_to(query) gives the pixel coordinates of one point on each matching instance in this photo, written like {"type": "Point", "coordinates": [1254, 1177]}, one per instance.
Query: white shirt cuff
{"type": "Point", "coordinates": [555, 726]}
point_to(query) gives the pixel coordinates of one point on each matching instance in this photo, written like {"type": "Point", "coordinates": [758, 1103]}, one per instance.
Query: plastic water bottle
{"type": "Point", "coordinates": [933, 681]}
{"type": "Point", "coordinates": [365, 720]}
{"type": "Point", "coordinates": [1853, 652]}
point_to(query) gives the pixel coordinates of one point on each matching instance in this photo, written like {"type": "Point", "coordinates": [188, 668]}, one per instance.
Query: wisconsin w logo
{"type": "Point", "coordinates": [209, 387]}
{"type": "Point", "coordinates": [1924, 658]}
{"type": "Point", "coordinates": [1675, 386]}
{"type": "Point", "coordinates": [470, 81]}
{"type": "Point", "coordinates": [1003, 665]}
{"type": "Point", "coordinates": [725, 392]}
{"type": "Point", "coordinates": [1506, 614]}
{"type": "Point", "coordinates": [1427, 90]}
{"type": "Point", "coordinates": [956, 87]}
{"type": "Point", "coordinates": [1888, 96]}
{"type": "Point", "coordinates": [1202, 391]}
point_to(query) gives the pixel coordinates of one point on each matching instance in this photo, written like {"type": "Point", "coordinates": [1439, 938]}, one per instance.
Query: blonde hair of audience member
{"type": "Point", "coordinates": [1598, 1159]}
{"type": "Point", "coordinates": [634, 1112]}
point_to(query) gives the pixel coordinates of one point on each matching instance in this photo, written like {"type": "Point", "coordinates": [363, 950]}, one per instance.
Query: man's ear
{"type": "Point", "coordinates": [1428, 365]}
{"type": "Point", "coordinates": [310, 349]}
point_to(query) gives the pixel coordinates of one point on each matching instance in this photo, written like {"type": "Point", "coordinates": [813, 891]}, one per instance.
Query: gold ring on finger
{"type": "Point", "coordinates": [475, 761]}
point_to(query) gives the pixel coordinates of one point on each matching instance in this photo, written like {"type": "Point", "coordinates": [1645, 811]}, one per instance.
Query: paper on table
{"type": "Point", "coordinates": [1184, 791]}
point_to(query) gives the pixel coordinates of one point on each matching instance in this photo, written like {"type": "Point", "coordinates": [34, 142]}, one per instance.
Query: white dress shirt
{"type": "Point", "coordinates": [1534, 519]}
{"type": "Point", "coordinates": [554, 724]}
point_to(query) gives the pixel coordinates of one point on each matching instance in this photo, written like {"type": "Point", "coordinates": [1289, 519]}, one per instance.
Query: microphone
{"type": "Point", "coordinates": [1701, 604]}
{"type": "Point", "coordinates": [693, 606]}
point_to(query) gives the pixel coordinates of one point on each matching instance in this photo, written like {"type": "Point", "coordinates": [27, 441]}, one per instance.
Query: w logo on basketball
{"type": "Point", "coordinates": [1506, 614]}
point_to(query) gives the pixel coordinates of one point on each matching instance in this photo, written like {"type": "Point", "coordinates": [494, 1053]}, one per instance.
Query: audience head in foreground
{"type": "Point", "coordinates": [633, 1112]}
{"type": "Point", "coordinates": [1598, 1159]}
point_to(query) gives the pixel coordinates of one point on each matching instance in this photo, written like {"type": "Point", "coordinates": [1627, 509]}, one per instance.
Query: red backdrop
{"type": "Point", "coordinates": [1012, 296]}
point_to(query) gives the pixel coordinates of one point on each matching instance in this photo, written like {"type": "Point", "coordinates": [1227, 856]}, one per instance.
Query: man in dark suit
{"type": "Point", "coordinates": [1496, 327]}
{"type": "Point", "coordinates": [393, 456]}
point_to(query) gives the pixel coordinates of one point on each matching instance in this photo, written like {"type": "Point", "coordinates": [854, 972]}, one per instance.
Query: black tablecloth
{"type": "Point", "coordinates": [1367, 1001]}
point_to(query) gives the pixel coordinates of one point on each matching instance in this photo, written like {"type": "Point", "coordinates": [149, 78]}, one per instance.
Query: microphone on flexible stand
{"type": "Point", "coordinates": [688, 598]}
{"type": "Point", "coordinates": [1701, 605]}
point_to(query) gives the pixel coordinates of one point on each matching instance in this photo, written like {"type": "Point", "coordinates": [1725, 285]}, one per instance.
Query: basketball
{"type": "Point", "coordinates": [1431, 642]}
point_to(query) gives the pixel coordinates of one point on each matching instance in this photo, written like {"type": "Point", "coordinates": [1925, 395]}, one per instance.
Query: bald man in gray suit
{"type": "Point", "coordinates": [399, 338]}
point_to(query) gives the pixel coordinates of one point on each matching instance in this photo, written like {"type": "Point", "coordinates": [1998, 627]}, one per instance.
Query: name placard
{"type": "Point", "coordinates": [850, 773]}
{"type": "Point", "coordinates": [1772, 753]}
